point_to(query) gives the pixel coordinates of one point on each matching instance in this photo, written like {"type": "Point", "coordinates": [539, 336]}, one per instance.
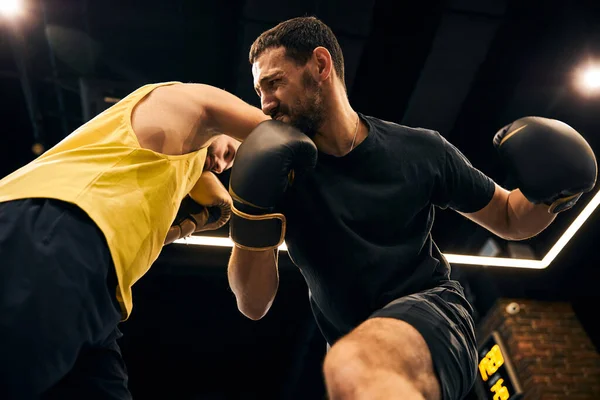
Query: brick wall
{"type": "Point", "coordinates": [552, 355]}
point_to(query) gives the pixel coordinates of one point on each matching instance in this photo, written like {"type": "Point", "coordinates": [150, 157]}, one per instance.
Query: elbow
{"type": "Point", "coordinates": [507, 229]}
{"type": "Point", "coordinates": [254, 315]}
{"type": "Point", "coordinates": [524, 220]}
{"type": "Point", "coordinates": [515, 230]}
{"type": "Point", "coordinates": [519, 236]}
{"type": "Point", "coordinates": [514, 237]}
{"type": "Point", "coordinates": [503, 229]}
{"type": "Point", "coordinates": [512, 234]}
{"type": "Point", "coordinates": [507, 232]}
{"type": "Point", "coordinates": [254, 310]}
{"type": "Point", "coordinates": [515, 234]}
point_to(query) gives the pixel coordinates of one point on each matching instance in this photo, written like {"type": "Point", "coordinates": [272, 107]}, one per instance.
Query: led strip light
{"type": "Point", "coordinates": [458, 258]}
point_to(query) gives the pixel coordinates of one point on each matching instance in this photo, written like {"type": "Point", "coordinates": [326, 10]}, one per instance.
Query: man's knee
{"type": "Point", "coordinates": [346, 368]}
{"type": "Point", "coordinates": [381, 352]}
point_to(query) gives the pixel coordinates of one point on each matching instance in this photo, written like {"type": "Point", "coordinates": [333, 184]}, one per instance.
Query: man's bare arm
{"type": "Point", "coordinates": [511, 216]}
{"type": "Point", "coordinates": [180, 118]}
{"type": "Point", "coordinates": [254, 279]}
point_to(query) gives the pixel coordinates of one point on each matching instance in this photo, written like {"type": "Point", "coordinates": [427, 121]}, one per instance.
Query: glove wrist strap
{"type": "Point", "coordinates": [257, 232]}
{"type": "Point", "coordinates": [563, 203]}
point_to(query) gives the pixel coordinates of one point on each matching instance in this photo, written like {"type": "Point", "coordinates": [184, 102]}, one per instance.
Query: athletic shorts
{"type": "Point", "coordinates": [58, 306]}
{"type": "Point", "coordinates": [443, 316]}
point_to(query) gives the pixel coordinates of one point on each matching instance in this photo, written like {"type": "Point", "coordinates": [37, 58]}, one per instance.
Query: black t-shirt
{"type": "Point", "coordinates": [359, 226]}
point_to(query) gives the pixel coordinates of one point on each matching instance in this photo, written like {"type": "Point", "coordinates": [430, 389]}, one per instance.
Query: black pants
{"type": "Point", "coordinates": [58, 309]}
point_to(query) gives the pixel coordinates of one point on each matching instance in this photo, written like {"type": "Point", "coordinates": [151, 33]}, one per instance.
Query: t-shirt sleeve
{"type": "Point", "coordinates": [460, 186]}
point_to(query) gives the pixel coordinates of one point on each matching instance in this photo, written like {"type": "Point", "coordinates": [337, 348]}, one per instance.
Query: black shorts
{"type": "Point", "coordinates": [58, 306]}
{"type": "Point", "coordinates": [443, 317]}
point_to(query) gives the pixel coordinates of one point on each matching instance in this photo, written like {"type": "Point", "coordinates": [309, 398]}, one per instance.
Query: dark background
{"type": "Point", "coordinates": [463, 67]}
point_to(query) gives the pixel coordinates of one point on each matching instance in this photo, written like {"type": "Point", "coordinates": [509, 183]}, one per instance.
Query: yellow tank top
{"type": "Point", "coordinates": [131, 193]}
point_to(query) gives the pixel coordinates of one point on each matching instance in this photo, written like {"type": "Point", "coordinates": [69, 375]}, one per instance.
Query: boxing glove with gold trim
{"type": "Point", "coordinates": [550, 161]}
{"type": "Point", "coordinates": [266, 164]}
{"type": "Point", "coordinates": [207, 207]}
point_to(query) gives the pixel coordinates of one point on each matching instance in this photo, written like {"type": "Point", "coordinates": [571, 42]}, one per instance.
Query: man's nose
{"type": "Point", "coordinates": [268, 105]}
{"type": "Point", "coordinates": [220, 165]}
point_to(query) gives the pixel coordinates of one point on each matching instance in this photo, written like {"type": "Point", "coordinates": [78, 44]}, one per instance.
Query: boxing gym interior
{"type": "Point", "coordinates": [464, 68]}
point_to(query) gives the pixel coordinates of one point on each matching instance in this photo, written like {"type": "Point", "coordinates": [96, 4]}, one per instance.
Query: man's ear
{"type": "Point", "coordinates": [324, 62]}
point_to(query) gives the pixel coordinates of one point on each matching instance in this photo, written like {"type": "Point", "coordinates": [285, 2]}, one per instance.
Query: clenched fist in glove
{"type": "Point", "coordinates": [550, 161]}
{"type": "Point", "coordinates": [207, 207]}
{"type": "Point", "coordinates": [266, 164]}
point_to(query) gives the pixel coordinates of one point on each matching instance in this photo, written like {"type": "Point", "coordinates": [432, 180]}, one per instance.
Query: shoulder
{"type": "Point", "coordinates": [405, 135]}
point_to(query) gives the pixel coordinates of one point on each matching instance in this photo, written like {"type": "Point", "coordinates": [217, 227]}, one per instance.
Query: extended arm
{"type": "Point", "coordinates": [183, 117]}
{"type": "Point", "coordinates": [511, 216]}
{"type": "Point", "coordinates": [553, 166]}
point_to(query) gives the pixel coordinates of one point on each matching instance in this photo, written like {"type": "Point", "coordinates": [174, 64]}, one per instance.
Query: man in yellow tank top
{"type": "Point", "coordinates": [80, 224]}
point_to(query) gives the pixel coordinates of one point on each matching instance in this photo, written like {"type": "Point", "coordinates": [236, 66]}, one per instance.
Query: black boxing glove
{"type": "Point", "coordinates": [549, 160]}
{"type": "Point", "coordinates": [266, 164]}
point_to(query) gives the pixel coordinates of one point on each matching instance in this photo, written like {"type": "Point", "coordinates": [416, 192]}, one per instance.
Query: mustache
{"type": "Point", "coordinates": [278, 111]}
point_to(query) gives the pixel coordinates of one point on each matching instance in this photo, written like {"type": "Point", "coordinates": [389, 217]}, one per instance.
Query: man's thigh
{"type": "Point", "coordinates": [442, 316]}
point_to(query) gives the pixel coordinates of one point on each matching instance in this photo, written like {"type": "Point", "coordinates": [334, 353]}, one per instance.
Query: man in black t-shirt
{"type": "Point", "coordinates": [354, 197]}
{"type": "Point", "coordinates": [361, 236]}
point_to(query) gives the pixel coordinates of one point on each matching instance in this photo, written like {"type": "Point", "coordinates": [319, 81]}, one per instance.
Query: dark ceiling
{"type": "Point", "coordinates": [462, 67]}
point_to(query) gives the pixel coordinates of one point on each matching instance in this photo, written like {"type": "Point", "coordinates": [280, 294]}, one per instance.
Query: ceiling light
{"type": "Point", "coordinates": [11, 8]}
{"type": "Point", "coordinates": [588, 79]}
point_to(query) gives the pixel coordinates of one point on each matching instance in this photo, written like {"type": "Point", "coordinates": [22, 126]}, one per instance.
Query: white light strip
{"type": "Point", "coordinates": [458, 258]}
{"type": "Point", "coordinates": [452, 258]}
{"type": "Point", "coordinates": [213, 241]}
{"type": "Point", "coordinates": [206, 241]}
{"type": "Point", "coordinates": [572, 229]}
{"type": "Point", "coordinates": [494, 261]}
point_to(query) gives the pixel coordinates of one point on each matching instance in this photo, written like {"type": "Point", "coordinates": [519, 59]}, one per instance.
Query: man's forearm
{"type": "Point", "coordinates": [526, 219]}
{"type": "Point", "coordinates": [253, 278]}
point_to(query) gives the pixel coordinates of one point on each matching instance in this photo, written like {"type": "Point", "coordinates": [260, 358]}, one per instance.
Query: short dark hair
{"type": "Point", "coordinates": [299, 37]}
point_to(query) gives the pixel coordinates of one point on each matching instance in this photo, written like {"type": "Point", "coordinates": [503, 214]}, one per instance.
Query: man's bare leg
{"type": "Point", "coordinates": [383, 358]}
